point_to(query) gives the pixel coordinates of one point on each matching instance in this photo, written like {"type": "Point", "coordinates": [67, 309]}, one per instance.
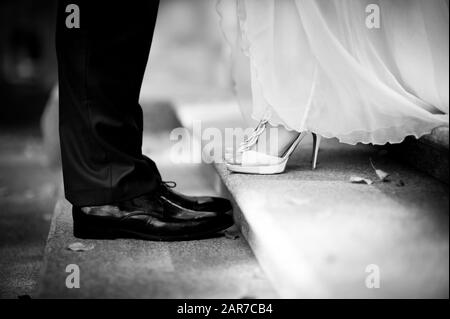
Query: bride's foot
{"type": "Point", "coordinates": [275, 140]}
{"type": "Point", "coordinates": [267, 150]}
{"type": "Point", "coordinates": [266, 139]}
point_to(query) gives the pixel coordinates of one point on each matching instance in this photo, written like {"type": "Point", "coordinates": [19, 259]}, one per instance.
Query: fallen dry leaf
{"type": "Point", "coordinates": [360, 180]}
{"type": "Point", "coordinates": [231, 234]}
{"type": "Point", "coordinates": [80, 247]}
{"type": "Point", "coordinates": [382, 175]}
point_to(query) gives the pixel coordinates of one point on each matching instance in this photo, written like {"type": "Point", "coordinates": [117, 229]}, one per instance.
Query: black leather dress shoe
{"type": "Point", "coordinates": [151, 217]}
{"type": "Point", "coordinates": [197, 203]}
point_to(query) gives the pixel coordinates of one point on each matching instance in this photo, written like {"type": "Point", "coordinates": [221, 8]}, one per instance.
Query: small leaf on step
{"type": "Point", "coordinates": [231, 234]}
{"type": "Point", "coordinates": [80, 247]}
{"type": "Point", "coordinates": [360, 180]}
{"type": "Point", "coordinates": [382, 175]}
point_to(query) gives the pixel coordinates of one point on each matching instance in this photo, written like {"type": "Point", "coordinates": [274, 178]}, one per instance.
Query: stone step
{"type": "Point", "coordinates": [221, 267]}
{"type": "Point", "coordinates": [317, 235]}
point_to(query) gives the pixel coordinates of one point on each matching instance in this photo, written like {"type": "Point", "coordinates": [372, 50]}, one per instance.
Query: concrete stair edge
{"type": "Point", "coordinates": [47, 250]}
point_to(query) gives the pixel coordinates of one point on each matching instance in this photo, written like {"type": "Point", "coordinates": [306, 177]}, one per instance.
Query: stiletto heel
{"type": "Point", "coordinates": [316, 145]}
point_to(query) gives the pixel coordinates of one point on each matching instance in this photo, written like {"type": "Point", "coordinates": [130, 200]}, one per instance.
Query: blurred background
{"type": "Point", "coordinates": [189, 61]}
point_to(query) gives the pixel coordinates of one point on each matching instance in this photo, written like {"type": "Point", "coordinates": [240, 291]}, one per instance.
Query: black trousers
{"type": "Point", "coordinates": [101, 66]}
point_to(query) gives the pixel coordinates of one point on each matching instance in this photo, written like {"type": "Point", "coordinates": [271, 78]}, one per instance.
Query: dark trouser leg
{"type": "Point", "coordinates": [101, 66]}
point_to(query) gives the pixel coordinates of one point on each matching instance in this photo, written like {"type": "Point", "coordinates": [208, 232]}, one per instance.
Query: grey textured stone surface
{"type": "Point", "coordinates": [213, 268]}
{"type": "Point", "coordinates": [28, 193]}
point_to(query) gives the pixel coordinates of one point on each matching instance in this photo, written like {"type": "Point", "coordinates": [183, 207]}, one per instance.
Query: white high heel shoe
{"type": "Point", "coordinates": [253, 162]}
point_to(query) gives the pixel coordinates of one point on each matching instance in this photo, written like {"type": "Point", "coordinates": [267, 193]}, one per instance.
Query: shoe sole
{"type": "Point", "coordinates": [258, 170]}
{"type": "Point", "coordinates": [126, 234]}
{"type": "Point", "coordinates": [83, 231]}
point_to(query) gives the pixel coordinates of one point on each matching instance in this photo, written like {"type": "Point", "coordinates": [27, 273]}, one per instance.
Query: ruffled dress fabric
{"type": "Point", "coordinates": [316, 65]}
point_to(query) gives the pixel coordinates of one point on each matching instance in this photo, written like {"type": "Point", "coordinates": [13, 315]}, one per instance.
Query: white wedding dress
{"type": "Point", "coordinates": [314, 65]}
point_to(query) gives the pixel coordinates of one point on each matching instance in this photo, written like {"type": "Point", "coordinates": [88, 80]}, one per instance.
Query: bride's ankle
{"type": "Point", "coordinates": [275, 140]}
